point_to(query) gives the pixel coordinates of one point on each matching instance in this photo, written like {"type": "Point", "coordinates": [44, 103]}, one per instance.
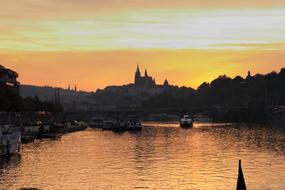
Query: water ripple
{"type": "Point", "coordinates": [162, 156]}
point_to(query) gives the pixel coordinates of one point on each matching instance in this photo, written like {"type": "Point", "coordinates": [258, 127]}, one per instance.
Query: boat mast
{"type": "Point", "coordinates": [240, 181]}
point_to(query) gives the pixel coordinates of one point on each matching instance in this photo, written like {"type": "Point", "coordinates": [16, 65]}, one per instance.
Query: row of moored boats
{"type": "Point", "coordinates": [11, 136]}
{"type": "Point", "coordinates": [117, 124]}
{"type": "Point", "coordinates": [130, 124]}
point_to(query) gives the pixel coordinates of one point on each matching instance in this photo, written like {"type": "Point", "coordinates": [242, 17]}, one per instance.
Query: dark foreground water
{"type": "Point", "coordinates": [162, 156]}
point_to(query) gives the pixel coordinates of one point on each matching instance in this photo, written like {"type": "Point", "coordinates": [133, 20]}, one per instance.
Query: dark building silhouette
{"type": "Point", "coordinates": [8, 79]}
{"type": "Point", "coordinates": [166, 83]}
{"type": "Point", "coordinates": [143, 81]}
{"type": "Point", "coordinates": [66, 98]}
{"type": "Point", "coordinates": [248, 75]}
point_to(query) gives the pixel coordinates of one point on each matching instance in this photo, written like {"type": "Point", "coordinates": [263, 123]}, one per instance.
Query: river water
{"type": "Point", "coordinates": [161, 156]}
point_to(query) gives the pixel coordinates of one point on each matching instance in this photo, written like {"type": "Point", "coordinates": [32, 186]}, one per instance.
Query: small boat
{"type": "Point", "coordinates": [43, 126]}
{"type": "Point", "coordinates": [108, 124]}
{"type": "Point", "coordinates": [202, 118]}
{"type": "Point", "coordinates": [240, 181]}
{"type": "Point", "coordinates": [31, 129]}
{"type": "Point", "coordinates": [186, 122]}
{"type": "Point", "coordinates": [29, 132]}
{"type": "Point", "coordinates": [134, 125]}
{"type": "Point", "coordinates": [10, 140]}
{"type": "Point", "coordinates": [74, 126]}
{"type": "Point", "coordinates": [50, 136]}
{"type": "Point", "coordinates": [120, 126]}
{"type": "Point", "coordinates": [96, 122]}
{"type": "Point", "coordinates": [57, 127]}
{"type": "Point", "coordinates": [27, 139]}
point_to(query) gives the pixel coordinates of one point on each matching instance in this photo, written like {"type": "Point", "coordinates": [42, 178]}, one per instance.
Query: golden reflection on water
{"type": "Point", "coordinates": [162, 156]}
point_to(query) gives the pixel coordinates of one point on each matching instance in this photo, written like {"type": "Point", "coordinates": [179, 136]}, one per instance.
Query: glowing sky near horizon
{"type": "Point", "coordinates": [98, 43]}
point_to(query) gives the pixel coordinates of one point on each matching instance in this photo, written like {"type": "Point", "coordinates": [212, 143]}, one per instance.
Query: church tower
{"type": "Point", "coordinates": [137, 76]}
{"type": "Point", "coordinates": [145, 73]}
{"type": "Point", "coordinates": [166, 83]}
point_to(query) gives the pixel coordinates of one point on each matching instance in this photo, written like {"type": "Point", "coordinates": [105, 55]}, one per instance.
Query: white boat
{"type": "Point", "coordinates": [186, 122]}
{"type": "Point", "coordinates": [10, 140]}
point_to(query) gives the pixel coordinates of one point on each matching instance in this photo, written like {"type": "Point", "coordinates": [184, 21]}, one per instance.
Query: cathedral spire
{"type": "Point", "coordinates": [145, 73]}
{"type": "Point", "coordinates": [138, 72]}
{"type": "Point", "coordinates": [137, 75]}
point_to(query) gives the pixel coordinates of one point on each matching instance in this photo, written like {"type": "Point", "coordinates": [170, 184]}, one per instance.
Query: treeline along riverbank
{"type": "Point", "coordinates": [248, 99]}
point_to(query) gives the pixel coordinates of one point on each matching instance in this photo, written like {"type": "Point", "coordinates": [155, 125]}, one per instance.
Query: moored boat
{"type": "Point", "coordinates": [134, 125]}
{"type": "Point", "coordinates": [108, 124]}
{"type": "Point", "coordinates": [27, 139]}
{"type": "Point", "coordinates": [240, 181]}
{"type": "Point", "coordinates": [31, 129]}
{"type": "Point", "coordinates": [74, 125]}
{"type": "Point", "coordinates": [120, 126]}
{"type": "Point", "coordinates": [186, 122]}
{"type": "Point", "coordinates": [10, 140]}
{"type": "Point", "coordinates": [96, 122]}
{"type": "Point", "coordinates": [202, 118]}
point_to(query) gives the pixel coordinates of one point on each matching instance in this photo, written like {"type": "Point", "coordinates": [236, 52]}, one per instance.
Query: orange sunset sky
{"type": "Point", "coordinates": [94, 43]}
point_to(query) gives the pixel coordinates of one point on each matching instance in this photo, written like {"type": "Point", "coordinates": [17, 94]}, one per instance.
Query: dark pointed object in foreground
{"type": "Point", "coordinates": [240, 181]}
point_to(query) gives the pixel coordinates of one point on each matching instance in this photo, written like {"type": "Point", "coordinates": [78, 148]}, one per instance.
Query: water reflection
{"type": "Point", "coordinates": [7, 164]}
{"type": "Point", "coordinates": [12, 161]}
{"type": "Point", "coordinates": [161, 156]}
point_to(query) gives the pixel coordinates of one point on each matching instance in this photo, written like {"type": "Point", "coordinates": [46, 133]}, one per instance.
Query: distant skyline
{"type": "Point", "coordinates": [93, 43]}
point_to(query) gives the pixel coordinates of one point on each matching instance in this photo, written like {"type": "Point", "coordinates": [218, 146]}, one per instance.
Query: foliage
{"type": "Point", "coordinates": [11, 101]}
{"type": "Point", "coordinates": [248, 96]}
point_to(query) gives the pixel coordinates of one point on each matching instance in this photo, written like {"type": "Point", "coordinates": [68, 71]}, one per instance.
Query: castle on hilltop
{"type": "Point", "coordinates": [143, 81]}
{"type": "Point", "coordinates": [143, 84]}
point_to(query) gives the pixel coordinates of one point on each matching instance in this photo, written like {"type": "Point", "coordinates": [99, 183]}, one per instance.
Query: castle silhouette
{"type": "Point", "coordinates": [146, 80]}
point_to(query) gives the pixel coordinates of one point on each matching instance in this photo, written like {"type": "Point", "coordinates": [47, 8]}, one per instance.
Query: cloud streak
{"type": "Point", "coordinates": [154, 29]}
{"type": "Point", "coordinates": [54, 9]}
